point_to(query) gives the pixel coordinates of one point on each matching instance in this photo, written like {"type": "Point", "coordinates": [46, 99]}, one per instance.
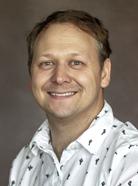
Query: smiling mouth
{"type": "Point", "coordinates": [62, 94]}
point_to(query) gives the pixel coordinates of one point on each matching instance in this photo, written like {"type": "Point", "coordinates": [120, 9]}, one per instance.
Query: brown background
{"type": "Point", "coordinates": [19, 114]}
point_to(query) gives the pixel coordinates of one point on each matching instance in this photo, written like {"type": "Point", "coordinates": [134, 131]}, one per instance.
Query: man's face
{"type": "Point", "coordinates": [67, 80]}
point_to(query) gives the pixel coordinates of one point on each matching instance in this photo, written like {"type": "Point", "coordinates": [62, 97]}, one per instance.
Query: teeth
{"type": "Point", "coordinates": [62, 94]}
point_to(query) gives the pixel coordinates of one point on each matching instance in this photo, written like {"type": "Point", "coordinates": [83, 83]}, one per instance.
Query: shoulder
{"type": "Point", "coordinates": [125, 159]}
{"type": "Point", "coordinates": [127, 136]}
{"type": "Point", "coordinates": [23, 156]}
{"type": "Point", "coordinates": [127, 139]}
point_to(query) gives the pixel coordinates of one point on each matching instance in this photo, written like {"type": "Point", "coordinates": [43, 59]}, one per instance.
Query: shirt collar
{"type": "Point", "coordinates": [41, 139]}
{"type": "Point", "coordinates": [91, 139]}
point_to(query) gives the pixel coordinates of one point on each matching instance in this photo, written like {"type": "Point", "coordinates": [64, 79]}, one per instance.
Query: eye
{"type": "Point", "coordinates": [76, 64]}
{"type": "Point", "coordinates": [46, 65]}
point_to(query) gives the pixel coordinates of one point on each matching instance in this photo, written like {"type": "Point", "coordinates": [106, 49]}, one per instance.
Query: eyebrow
{"type": "Point", "coordinates": [49, 55]}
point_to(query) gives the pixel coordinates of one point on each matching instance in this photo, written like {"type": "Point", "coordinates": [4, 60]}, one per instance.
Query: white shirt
{"type": "Point", "coordinates": [106, 154]}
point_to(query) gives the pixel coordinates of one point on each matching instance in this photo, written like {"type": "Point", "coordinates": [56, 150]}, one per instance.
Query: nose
{"type": "Point", "coordinates": [60, 75]}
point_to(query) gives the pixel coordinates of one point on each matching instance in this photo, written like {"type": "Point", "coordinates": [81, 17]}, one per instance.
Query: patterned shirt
{"type": "Point", "coordinates": [106, 154]}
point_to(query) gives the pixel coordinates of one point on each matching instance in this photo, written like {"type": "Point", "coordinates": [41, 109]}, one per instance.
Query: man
{"type": "Point", "coordinates": [80, 143]}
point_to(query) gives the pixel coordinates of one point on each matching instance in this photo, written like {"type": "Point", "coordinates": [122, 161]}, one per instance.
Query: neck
{"type": "Point", "coordinates": [66, 130]}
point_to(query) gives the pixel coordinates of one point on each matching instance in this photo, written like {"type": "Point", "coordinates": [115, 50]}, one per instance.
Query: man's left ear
{"type": "Point", "coordinates": [106, 73]}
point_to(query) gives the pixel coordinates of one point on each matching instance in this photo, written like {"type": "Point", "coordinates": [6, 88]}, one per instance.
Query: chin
{"type": "Point", "coordinates": [59, 114]}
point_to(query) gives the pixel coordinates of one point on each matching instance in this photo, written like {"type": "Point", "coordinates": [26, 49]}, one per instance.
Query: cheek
{"type": "Point", "coordinates": [38, 79]}
{"type": "Point", "coordinates": [85, 79]}
{"type": "Point", "coordinates": [85, 82]}
{"type": "Point", "coordinates": [90, 82]}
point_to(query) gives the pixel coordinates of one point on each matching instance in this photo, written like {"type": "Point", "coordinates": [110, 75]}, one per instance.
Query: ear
{"type": "Point", "coordinates": [106, 73]}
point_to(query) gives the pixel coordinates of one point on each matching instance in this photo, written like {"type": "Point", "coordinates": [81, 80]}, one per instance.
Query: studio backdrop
{"type": "Point", "coordinates": [20, 116]}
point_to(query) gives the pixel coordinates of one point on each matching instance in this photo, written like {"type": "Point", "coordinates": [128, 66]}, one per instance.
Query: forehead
{"type": "Point", "coordinates": [66, 33]}
{"type": "Point", "coordinates": [64, 39]}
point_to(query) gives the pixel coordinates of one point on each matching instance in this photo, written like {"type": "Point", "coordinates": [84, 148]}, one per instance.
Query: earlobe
{"type": "Point", "coordinates": [106, 73]}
